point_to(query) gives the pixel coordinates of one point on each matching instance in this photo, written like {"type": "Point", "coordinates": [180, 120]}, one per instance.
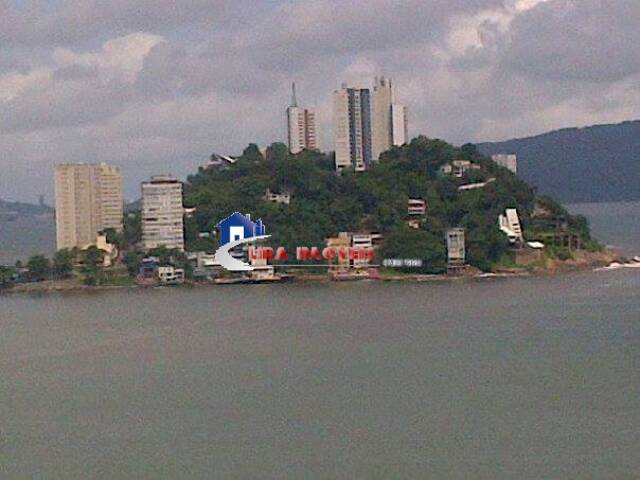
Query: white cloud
{"type": "Point", "coordinates": [120, 58]}
{"type": "Point", "coordinates": [15, 83]}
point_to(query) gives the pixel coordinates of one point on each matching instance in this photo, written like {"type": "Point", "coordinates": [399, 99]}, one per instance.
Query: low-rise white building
{"type": "Point", "coordinates": [220, 161]}
{"type": "Point", "coordinates": [416, 207]}
{"type": "Point", "coordinates": [506, 160]}
{"type": "Point", "coordinates": [281, 198]}
{"type": "Point", "coordinates": [456, 251]}
{"type": "Point", "coordinates": [458, 168]}
{"type": "Point", "coordinates": [169, 275]}
{"type": "Point", "coordinates": [509, 224]}
{"type": "Point", "coordinates": [361, 240]}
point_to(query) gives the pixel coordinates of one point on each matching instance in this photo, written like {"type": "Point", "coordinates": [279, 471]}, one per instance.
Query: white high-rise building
{"type": "Point", "coordinates": [352, 125]}
{"type": "Point", "coordinates": [162, 213]}
{"type": "Point", "coordinates": [381, 118]}
{"type": "Point", "coordinates": [341, 128]}
{"type": "Point", "coordinates": [111, 197]}
{"type": "Point", "coordinates": [509, 161]}
{"type": "Point", "coordinates": [302, 126]}
{"type": "Point", "coordinates": [89, 200]}
{"type": "Point", "coordinates": [389, 120]}
{"type": "Point", "coordinates": [399, 125]}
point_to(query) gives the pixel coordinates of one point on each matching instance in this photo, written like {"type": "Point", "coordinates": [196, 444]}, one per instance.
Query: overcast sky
{"type": "Point", "coordinates": [155, 86]}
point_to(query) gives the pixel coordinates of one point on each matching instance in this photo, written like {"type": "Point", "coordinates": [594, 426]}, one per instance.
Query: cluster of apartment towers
{"type": "Point", "coordinates": [365, 122]}
{"type": "Point", "coordinates": [89, 201]}
{"type": "Point", "coordinates": [89, 197]}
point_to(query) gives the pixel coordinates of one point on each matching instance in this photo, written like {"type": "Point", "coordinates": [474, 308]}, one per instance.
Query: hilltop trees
{"type": "Point", "coordinates": [324, 203]}
{"type": "Point", "coordinates": [93, 259]}
{"type": "Point", "coordinates": [6, 276]}
{"type": "Point", "coordinates": [63, 263]}
{"type": "Point", "coordinates": [38, 266]}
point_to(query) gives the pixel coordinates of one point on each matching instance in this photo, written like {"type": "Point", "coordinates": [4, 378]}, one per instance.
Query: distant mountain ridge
{"type": "Point", "coordinates": [23, 209]}
{"type": "Point", "coordinates": [591, 164]}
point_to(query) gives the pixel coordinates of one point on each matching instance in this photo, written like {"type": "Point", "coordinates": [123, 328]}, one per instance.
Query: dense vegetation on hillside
{"type": "Point", "coordinates": [593, 164]}
{"type": "Point", "coordinates": [324, 203]}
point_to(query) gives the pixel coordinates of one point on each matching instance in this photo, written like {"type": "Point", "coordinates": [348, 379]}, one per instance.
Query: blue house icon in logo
{"type": "Point", "coordinates": [238, 227]}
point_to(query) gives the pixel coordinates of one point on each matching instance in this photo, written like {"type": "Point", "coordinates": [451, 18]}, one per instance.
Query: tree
{"type": "Point", "coordinates": [132, 233]}
{"type": "Point", "coordinates": [93, 261]}
{"type": "Point", "coordinates": [252, 153]}
{"type": "Point", "coordinates": [63, 263]}
{"type": "Point", "coordinates": [406, 243]}
{"type": "Point", "coordinates": [132, 260]}
{"type": "Point", "coordinates": [163, 254]}
{"type": "Point", "coordinates": [6, 276]}
{"type": "Point", "coordinates": [39, 268]}
{"type": "Point", "coordinates": [276, 152]}
{"type": "Point", "coordinates": [115, 238]}
{"type": "Point", "coordinates": [324, 204]}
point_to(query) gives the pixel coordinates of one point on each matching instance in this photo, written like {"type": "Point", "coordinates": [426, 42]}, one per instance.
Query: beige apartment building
{"type": "Point", "coordinates": [389, 119]}
{"type": "Point", "coordinates": [162, 213]}
{"type": "Point", "coordinates": [366, 124]}
{"type": "Point", "coordinates": [89, 200]}
{"type": "Point", "coordinates": [302, 126]}
{"type": "Point", "coordinates": [352, 128]}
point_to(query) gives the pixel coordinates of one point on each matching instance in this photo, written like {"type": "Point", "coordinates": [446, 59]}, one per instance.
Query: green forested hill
{"type": "Point", "coordinates": [324, 203]}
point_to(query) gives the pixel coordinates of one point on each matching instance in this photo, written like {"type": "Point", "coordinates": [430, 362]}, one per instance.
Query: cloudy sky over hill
{"type": "Point", "coordinates": [156, 85]}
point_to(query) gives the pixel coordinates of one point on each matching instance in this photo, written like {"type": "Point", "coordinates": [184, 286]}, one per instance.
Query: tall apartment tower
{"type": "Point", "coordinates": [302, 126]}
{"type": "Point", "coordinates": [162, 213]}
{"type": "Point", "coordinates": [352, 125]}
{"type": "Point", "coordinates": [399, 125]}
{"type": "Point", "coordinates": [390, 122]}
{"type": "Point", "coordinates": [88, 200]}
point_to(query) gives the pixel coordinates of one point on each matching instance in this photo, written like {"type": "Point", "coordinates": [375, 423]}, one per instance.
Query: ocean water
{"type": "Point", "coordinates": [26, 236]}
{"type": "Point", "coordinates": [616, 225]}
{"type": "Point", "coordinates": [528, 378]}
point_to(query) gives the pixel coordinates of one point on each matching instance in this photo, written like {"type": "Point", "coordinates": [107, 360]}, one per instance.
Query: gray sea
{"type": "Point", "coordinates": [530, 378]}
{"type": "Point", "coordinates": [26, 236]}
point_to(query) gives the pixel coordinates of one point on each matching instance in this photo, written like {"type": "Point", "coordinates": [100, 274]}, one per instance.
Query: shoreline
{"type": "Point", "coordinates": [584, 261]}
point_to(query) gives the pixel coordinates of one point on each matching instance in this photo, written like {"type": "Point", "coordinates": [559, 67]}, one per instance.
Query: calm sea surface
{"type": "Point", "coordinates": [26, 236]}
{"type": "Point", "coordinates": [497, 378]}
{"type": "Point", "coordinates": [614, 224]}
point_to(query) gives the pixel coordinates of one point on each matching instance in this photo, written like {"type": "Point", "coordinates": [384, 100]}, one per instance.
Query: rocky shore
{"type": "Point", "coordinates": [581, 261]}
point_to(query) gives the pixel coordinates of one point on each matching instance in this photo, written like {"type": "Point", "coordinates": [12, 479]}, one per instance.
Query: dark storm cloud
{"type": "Point", "coordinates": [74, 21]}
{"type": "Point", "coordinates": [586, 40]}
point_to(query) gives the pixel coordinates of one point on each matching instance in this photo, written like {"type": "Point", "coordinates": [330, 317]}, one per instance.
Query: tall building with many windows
{"type": "Point", "coordinates": [302, 126]}
{"type": "Point", "coordinates": [390, 122]}
{"type": "Point", "coordinates": [366, 124]}
{"type": "Point", "coordinates": [88, 200]}
{"type": "Point", "coordinates": [162, 213]}
{"type": "Point", "coordinates": [352, 125]}
{"type": "Point", "coordinates": [399, 125]}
